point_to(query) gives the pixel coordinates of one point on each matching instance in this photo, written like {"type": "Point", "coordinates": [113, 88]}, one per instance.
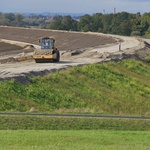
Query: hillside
{"type": "Point", "coordinates": [76, 48]}
{"type": "Point", "coordinates": [121, 88]}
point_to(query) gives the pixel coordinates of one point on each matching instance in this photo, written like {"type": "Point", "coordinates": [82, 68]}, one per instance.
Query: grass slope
{"type": "Point", "coordinates": [121, 88]}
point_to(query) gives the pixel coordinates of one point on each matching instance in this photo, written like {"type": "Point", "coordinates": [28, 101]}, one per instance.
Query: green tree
{"type": "Point", "coordinates": [3, 20]}
{"type": "Point", "coordinates": [145, 23]}
{"type": "Point", "coordinates": [68, 23]}
{"type": "Point", "coordinates": [97, 24]}
{"type": "Point", "coordinates": [10, 16]}
{"type": "Point", "coordinates": [125, 28]}
{"type": "Point", "coordinates": [107, 23]}
{"type": "Point", "coordinates": [56, 24]}
{"type": "Point", "coordinates": [120, 21]}
{"type": "Point", "coordinates": [85, 23]}
{"type": "Point", "coordinates": [147, 34]}
{"type": "Point", "coordinates": [19, 19]}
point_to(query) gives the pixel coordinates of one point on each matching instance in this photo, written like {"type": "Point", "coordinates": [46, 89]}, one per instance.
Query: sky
{"type": "Point", "coordinates": [74, 6]}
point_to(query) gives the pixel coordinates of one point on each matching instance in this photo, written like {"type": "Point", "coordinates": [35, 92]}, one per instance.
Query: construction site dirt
{"type": "Point", "coordinates": [76, 48]}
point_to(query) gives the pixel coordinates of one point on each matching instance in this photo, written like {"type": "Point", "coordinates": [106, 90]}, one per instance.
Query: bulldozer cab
{"type": "Point", "coordinates": [48, 51]}
{"type": "Point", "coordinates": [47, 43]}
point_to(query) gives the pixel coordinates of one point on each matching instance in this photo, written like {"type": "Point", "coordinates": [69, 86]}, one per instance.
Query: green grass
{"type": "Point", "coordinates": [70, 123]}
{"type": "Point", "coordinates": [147, 59]}
{"type": "Point", "coordinates": [121, 88]}
{"type": "Point", "coordinates": [74, 140]}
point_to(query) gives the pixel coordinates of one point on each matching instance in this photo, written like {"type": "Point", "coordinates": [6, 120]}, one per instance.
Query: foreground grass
{"type": "Point", "coordinates": [121, 88]}
{"type": "Point", "coordinates": [74, 140]}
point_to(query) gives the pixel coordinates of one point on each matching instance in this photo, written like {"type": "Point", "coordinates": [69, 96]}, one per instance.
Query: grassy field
{"type": "Point", "coordinates": [121, 88]}
{"type": "Point", "coordinates": [74, 140]}
{"type": "Point", "coordinates": [70, 123]}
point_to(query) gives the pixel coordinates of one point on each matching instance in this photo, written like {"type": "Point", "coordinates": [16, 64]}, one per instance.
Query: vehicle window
{"type": "Point", "coordinates": [47, 44]}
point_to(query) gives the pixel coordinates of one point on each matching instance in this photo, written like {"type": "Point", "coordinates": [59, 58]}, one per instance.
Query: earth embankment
{"type": "Point", "coordinates": [76, 48]}
{"type": "Point", "coordinates": [65, 40]}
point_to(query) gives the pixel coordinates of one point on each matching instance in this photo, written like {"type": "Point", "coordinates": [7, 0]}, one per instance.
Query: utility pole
{"type": "Point", "coordinates": [114, 10]}
{"type": "Point", "coordinates": [104, 11]}
{"type": "Point", "coordinates": [120, 46]}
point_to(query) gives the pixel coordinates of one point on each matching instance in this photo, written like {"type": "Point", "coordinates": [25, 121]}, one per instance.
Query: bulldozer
{"type": "Point", "coordinates": [48, 51]}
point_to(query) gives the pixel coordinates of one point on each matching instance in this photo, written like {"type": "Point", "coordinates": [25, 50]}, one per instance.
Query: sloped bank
{"type": "Point", "coordinates": [24, 78]}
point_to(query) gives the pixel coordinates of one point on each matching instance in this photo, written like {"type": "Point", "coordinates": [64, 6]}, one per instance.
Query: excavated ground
{"type": "Point", "coordinates": [76, 49]}
{"type": "Point", "coordinates": [65, 40]}
{"type": "Point", "coordinates": [6, 48]}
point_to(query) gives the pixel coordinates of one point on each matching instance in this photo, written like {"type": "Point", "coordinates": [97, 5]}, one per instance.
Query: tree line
{"type": "Point", "coordinates": [123, 23]}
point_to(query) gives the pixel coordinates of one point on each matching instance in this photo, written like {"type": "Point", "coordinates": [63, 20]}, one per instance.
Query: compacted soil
{"type": "Point", "coordinates": [76, 48]}
{"type": "Point", "coordinates": [65, 40]}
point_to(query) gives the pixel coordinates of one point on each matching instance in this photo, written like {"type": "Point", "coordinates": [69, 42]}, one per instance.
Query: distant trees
{"type": "Point", "coordinates": [19, 19]}
{"type": "Point", "coordinates": [120, 23]}
{"type": "Point", "coordinates": [85, 23]}
{"type": "Point", "coordinates": [97, 23]}
{"type": "Point", "coordinates": [64, 23]}
{"type": "Point", "coordinates": [11, 19]}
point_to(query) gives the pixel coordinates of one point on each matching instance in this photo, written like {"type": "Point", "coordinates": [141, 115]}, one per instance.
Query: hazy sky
{"type": "Point", "coordinates": [75, 6]}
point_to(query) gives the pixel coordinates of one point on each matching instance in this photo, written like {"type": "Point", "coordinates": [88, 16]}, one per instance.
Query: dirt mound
{"type": "Point", "coordinates": [138, 54]}
{"type": "Point", "coordinates": [8, 60]}
{"type": "Point", "coordinates": [28, 47]}
{"type": "Point", "coordinates": [6, 47]}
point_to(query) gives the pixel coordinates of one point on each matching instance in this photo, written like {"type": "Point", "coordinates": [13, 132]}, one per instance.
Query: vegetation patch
{"type": "Point", "coordinates": [121, 88]}
{"type": "Point", "coordinates": [70, 123]}
{"type": "Point", "coordinates": [148, 58]}
{"type": "Point", "coordinates": [122, 23]}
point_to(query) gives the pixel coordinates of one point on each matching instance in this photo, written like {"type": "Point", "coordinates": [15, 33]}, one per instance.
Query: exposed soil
{"type": "Point", "coordinates": [7, 48]}
{"type": "Point", "coordinates": [76, 49]}
{"type": "Point", "coordinates": [65, 40]}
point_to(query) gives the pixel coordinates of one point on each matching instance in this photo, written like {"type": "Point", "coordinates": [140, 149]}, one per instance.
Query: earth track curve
{"type": "Point", "coordinates": [76, 49]}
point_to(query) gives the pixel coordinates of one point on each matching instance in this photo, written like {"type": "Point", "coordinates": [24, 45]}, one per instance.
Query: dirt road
{"type": "Point", "coordinates": [76, 49]}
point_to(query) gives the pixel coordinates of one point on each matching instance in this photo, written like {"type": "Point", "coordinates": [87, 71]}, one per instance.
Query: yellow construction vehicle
{"type": "Point", "coordinates": [48, 51]}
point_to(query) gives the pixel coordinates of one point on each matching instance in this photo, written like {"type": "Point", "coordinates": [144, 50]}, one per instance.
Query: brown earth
{"type": "Point", "coordinates": [6, 48]}
{"type": "Point", "coordinates": [76, 49]}
{"type": "Point", "coordinates": [66, 41]}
